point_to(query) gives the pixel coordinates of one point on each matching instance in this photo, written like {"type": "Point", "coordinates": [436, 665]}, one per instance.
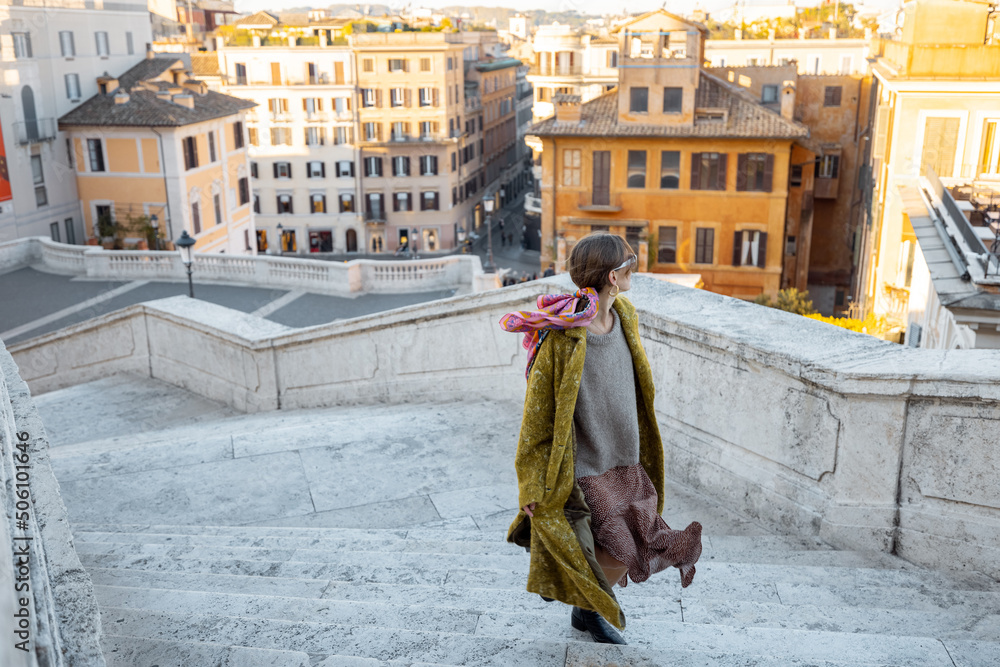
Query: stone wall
{"type": "Point", "coordinates": [809, 427]}
{"type": "Point", "coordinates": [63, 623]}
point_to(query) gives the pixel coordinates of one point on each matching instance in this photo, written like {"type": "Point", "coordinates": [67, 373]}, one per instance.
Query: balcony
{"type": "Point", "coordinates": [532, 204]}
{"type": "Point", "coordinates": [375, 217]}
{"type": "Point", "coordinates": [548, 70]}
{"type": "Point", "coordinates": [593, 201]}
{"type": "Point", "coordinates": [32, 132]}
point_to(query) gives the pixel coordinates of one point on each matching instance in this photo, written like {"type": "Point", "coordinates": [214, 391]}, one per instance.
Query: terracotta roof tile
{"type": "Point", "coordinates": [205, 64]}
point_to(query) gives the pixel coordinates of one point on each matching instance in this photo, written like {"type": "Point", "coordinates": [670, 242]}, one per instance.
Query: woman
{"type": "Point", "coordinates": [589, 459]}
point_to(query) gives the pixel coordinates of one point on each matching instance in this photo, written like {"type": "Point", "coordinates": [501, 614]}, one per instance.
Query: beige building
{"type": "Point", "coordinates": [569, 63]}
{"type": "Point", "coordinates": [155, 142]}
{"type": "Point", "coordinates": [832, 55]}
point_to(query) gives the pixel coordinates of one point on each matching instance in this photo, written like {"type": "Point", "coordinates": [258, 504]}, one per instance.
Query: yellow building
{"type": "Point", "coordinates": [935, 116]}
{"type": "Point", "coordinates": [676, 160]}
{"type": "Point", "coordinates": [154, 141]}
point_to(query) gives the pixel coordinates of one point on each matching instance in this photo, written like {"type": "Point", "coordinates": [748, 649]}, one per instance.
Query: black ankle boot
{"type": "Point", "coordinates": [592, 622]}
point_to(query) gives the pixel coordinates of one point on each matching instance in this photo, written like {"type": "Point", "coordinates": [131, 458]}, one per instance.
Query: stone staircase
{"type": "Point", "coordinates": [359, 536]}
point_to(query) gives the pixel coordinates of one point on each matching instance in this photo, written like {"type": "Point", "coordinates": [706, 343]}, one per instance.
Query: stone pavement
{"type": "Point", "coordinates": [373, 536]}
{"type": "Point", "coordinates": [33, 302]}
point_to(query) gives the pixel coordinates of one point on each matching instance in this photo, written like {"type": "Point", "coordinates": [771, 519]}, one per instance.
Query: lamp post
{"type": "Point", "coordinates": [155, 222]}
{"type": "Point", "coordinates": [281, 239]}
{"type": "Point", "coordinates": [186, 245]}
{"type": "Point", "coordinates": [488, 203]}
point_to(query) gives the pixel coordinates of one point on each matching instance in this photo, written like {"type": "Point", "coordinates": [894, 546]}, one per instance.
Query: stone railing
{"type": "Point", "coordinates": [47, 600]}
{"type": "Point", "coordinates": [806, 426]}
{"type": "Point", "coordinates": [461, 272]}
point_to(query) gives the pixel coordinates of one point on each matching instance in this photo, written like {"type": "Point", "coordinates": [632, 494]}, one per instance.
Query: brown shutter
{"type": "Point", "coordinates": [276, 74]}
{"type": "Point", "coordinates": [737, 247]}
{"type": "Point", "coordinates": [338, 73]}
{"type": "Point", "coordinates": [407, 97]}
{"type": "Point", "coordinates": [696, 171]}
{"type": "Point", "coordinates": [721, 185]}
{"type": "Point", "coordinates": [769, 172]}
{"type": "Point", "coordinates": [602, 178]}
{"type": "Point", "coordinates": [741, 172]}
{"type": "Point", "coordinates": [378, 98]}
{"type": "Point", "coordinates": [437, 97]}
{"type": "Point", "coordinates": [762, 250]}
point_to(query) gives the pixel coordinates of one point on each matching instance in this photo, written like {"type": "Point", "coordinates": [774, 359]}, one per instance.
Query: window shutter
{"type": "Point", "coordinates": [378, 98]}
{"type": "Point", "coordinates": [338, 73]}
{"type": "Point", "coordinates": [350, 171]}
{"type": "Point", "coordinates": [407, 97]}
{"type": "Point", "coordinates": [737, 247]}
{"type": "Point", "coordinates": [696, 171]}
{"type": "Point", "coordinates": [437, 97]}
{"type": "Point", "coordinates": [289, 170]}
{"type": "Point", "coordinates": [762, 250]}
{"type": "Point", "coordinates": [721, 185]}
{"type": "Point", "coordinates": [741, 172]}
{"type": "Point", "coordinates": [768, 172]}
{"type": "Point", "coordinates": [881, 132]}
{"type": "Point", "coordinates": [305, 104]}
{"type": "Point", "coordinates": [322, 169]}
{"type": "Point", "coordinates": [274, 167]}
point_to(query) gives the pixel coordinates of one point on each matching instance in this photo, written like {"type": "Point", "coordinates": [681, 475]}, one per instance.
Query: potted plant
{"type": "Point", "coordinates": [107, 230]}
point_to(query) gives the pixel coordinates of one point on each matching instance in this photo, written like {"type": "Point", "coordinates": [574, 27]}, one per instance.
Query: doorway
{"type": "Point", "coordinates": [321, 241]}
{"type": "Point", "coordinates": [352, 241]}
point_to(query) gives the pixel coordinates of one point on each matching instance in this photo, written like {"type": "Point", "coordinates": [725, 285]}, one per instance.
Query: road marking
{"type": "Point", "coordinates": [280, 302]}
{"type": "Point", "coordinates": [83, 305]}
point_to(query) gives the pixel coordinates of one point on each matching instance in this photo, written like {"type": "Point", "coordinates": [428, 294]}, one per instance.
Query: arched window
{"type": "Point", "coordinates": [30, 118]}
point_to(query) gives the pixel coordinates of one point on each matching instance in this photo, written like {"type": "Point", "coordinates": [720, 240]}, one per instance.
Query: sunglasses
{"type": "Point", "coordinates": [627, 264]}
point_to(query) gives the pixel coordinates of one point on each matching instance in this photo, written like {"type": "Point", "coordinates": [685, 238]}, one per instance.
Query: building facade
{"type": "Point", "coordinates": [50, 57]}
{"type": "Point", "coordinates": [690, 169]}
{"type": "Point", "coordinates": [812, 56]}
{"type": "Point", "coordinates": [155, 142]}
{"type": "Point", "coordinates": [569, 63]}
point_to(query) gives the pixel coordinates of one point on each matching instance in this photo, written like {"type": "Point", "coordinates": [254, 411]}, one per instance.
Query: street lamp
{"type": "Point", "coordinates": [488, 203]}
{"type": "Point", "coordinates": [155, 222]}
{"type": "Point", "coordinates": [186, 244]}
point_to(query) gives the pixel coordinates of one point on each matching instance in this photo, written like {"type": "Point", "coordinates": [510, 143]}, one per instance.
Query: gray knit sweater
{"type": "Point", "coordinates": [606, 421]}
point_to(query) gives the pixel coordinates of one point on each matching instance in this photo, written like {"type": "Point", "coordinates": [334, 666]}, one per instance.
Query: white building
{"type": "Point", "coordinates": [566, 62]}
{"type": "Point", "coordinates": [50, 58]}
{"type": "Point", "coordinates": [302, 143]}
{"type": "Point", "coordinates": [814, 56]}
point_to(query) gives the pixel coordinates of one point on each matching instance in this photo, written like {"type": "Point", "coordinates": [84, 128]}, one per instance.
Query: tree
{"type": "Point", "coordinates": [790, 300]}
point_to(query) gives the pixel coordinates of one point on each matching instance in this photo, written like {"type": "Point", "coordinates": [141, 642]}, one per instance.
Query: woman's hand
{"type": "Point", "coordinates": [529, 508]}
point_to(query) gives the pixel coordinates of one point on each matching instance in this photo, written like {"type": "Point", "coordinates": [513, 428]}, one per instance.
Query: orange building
{"type": "Point", "coordinates": [155, 142]}
{"type": "Point", "coordinates": [692, 170]}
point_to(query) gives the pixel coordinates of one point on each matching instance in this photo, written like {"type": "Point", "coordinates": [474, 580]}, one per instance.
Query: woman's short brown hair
{"type": "Point", "coordinates": [594, 256]}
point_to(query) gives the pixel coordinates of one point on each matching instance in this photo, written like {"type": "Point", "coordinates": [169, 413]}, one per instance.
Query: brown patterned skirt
{"type": "Point", "coordinates": [626, 525]}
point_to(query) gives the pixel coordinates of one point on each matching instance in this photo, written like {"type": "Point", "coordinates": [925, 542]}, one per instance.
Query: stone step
{"type": "Point", "coordinates": [533, 646]}
{"type": "Point", "coordinates": [131, 651]}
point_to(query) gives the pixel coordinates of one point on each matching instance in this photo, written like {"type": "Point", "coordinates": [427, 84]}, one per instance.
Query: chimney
{"type": "Point", "coordinates": [788, 100]}
{"type": "Point", "coordinates": [567, 108]}
{"type": "Point", "coordinates": [163, 95]}
{"type": "Point", "coordinates": [121, 97]}
{"type": "Point", "coordinates": [149, 51]}
{"type": "Point", "coordinates": [185, 100]}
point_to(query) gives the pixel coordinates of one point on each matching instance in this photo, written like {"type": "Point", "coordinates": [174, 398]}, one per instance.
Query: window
{"type": "Point", "coordinates": [288, 240]}
{"type": "Point", "coordinates": [571, 167]}
{"type": "Point", "coordinates": [398, 65]}
{"type": "Point", "coordinates": [375, 209]}
{"type": "Point", "coordinates": [217, 204]}
{"type": "Point", "coordinates": [454, 162]}
{"type": "Point", "coordinates": [101, 38]}
{"type": "Point", "coordinates": [708, 171]}
{"type": "Point", "coordinates": [38, 176]}
{"type": "Point", "coordinates": [401, 165]}
{"type": "Point", "coordinates": [211, 146]}
{"type": "Point", "coordinates": [670, 170]}
{"type": "Point", "coordinates": [397, 97]}
{"type": "Point", "coordinates": [612, 59]}
{"type": "Point", "coordinates": [241, 74]}
{"type": "Point", "coordinates": [753, 172]}
{"type": "Point", "coordinates": [373, 166]}
{"type": "Point", "coordinates": [70, 230]}
{"type": "Point", "coordinates": [989, 162]}
{"type": "Point", "coordinates": [831, 96]}
{"type": "Point", "coordinates": [312, 105]}
{"type": "Point", "coordinates": [373, 131]}
{"type": "Point", "coordinates": [750, 249]}
{"type": "Point", "coordinates": [277, 106]}
{"type": "Point", "coordinates": [315, 169]}
{"type": "Point", "coordinates": [317, 203]}
{"type": "Point", "coordinates": [196, 217]}
{"type": "Point", "coordinates": [673, 100]}
{"type": "Point", "coordinates": [284, 203]}
{"type": "Point", "coordinates": [312, 75]}
{"type": "Point", "coordinates": [704, 246]}
{"type": "Point", "coordinates": [426, 97]}
{"type": "Point", "coordinates": [428, 201]}
{"type": "Point", "coordinates": [341, 135]}
{"type": "Point", "coordinates": [638, 100]}
{"type": "Point", "coordinates": [22, 44]}
{"type": "Point", "coordinates": [66, 43]}
{"type": "Point", "coordinates": [791, 247]}
{"type": "Point", "coordinates": [346, 203]}
{"type": "Point", "coordinates": [282, 169]}
{"type": "Point", "coordinates": [244, 190]}
{"type": "Point", "coordinates": [96, 153]}
{"type": "Point", "coordinates": [828, 166]}
{"type": "Point", "coordinates": [666, 245]}
{"type": "Point", "coordinates": [637, 169]}
{"type": "Point", "coordinates": [367, 65]}
{"type": "Point", "coordinates": [427, 129]}
{"type": "Point", "coordinates": [428, 165]}
{"type": "Point", "coordinates": [451, 65]}
{"type": "Point", "coordinates": [129, 46]}
{"type": "Point", "coordinates": [400, 131]}
{"type": "Point", "coordinates": [253, 170]}
{"type": "Point", "coordinates": [940, 145]}
{"type": "Point", "coordinates": [256, 203]}
{"type": "Point", "coordinates": [769, 94]}
{"type": "Point", "coordinates": [846, 64]}
{"type": "Point", "coordinates": [72, 86]}
{"type": "Point", "coordinates": [281, 136]}
{"type": "Point", "coordinates": [753, 62]}
{"type": "Point", "coordinates": [795, 178]}
{"type": "Point", "coordinates": [601, 183]}
{"type": "Point", "coordinates": [315, 136]}
{"type": "Point", "coordinates": [238, 134]}
{"type": "Point", "coordinates": [401, 201]}
{"type": "Point", "coordinates": [425, 64]}
{"type": "Point", "coordinates": [341, 104]}
{"type": "Point", "coordinates": [345, 168]}
{"type": "Point", "coordinates": [54, 231]}
{"type": "Point", "coordinates": [252, 136]}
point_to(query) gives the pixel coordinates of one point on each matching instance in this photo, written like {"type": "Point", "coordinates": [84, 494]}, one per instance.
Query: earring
{"type": "Point", "coordinates": [614, 290]}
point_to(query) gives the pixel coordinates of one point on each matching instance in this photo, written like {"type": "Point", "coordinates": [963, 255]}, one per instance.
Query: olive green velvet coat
{"type": "Point", "coordinates": [563, 565]}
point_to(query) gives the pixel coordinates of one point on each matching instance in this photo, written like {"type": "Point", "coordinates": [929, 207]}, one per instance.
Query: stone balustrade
{"type": "Point", "coordinates": [809, 427]}
{"type": "Point", "coordinates": [461, 272]}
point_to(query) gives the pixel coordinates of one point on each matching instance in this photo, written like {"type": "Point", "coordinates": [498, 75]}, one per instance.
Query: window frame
{"type": "Point", "coordinates": [680, 99]}
{"type": "Point", "coordinates": [664, 246]}
{"type": "Point", "coordinates": [664, 167]}
{"type": "Point", "coordinates": [633, 100]}
{"type": "Point", "coordinates": [632, 169]}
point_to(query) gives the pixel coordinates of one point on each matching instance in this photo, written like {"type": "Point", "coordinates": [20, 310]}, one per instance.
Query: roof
{"type": "Point", "coordinates": [665, 14]}
{"type": "Point", "coordinates": [502, 63]}
{"type": "Point", "coordinates": [260, 18]}
{"type": "Point", "coordinates": [205, 64]}
{"type": "Point", "coordinates": [145, 109]}
{"type": "Point", "coordinates": [747, 118]}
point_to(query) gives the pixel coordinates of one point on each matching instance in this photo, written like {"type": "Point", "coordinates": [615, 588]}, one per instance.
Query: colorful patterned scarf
{"type": "Point", "coordinates": [556, 311]}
